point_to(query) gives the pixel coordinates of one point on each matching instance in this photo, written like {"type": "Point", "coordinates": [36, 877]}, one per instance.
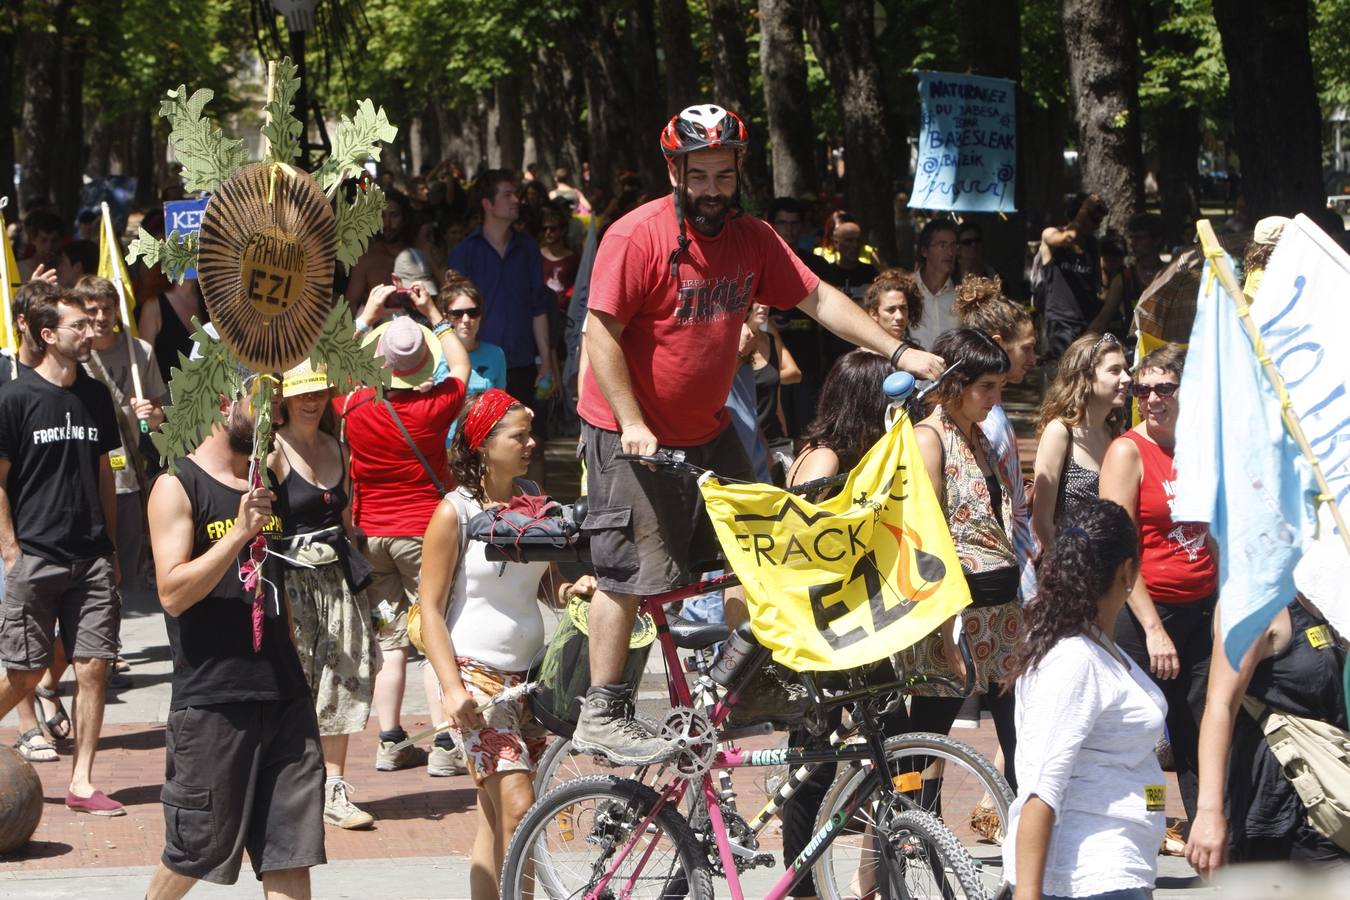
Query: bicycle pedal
{"type": "Point", "coordinates": [735, 734]}
{"type": "Point", "coordinates": [763, 859]}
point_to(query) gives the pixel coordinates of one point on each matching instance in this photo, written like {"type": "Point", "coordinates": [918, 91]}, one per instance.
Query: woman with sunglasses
{"type": "Point", "coordinates": [561, 262]}
{"type": "Point", "coordinates": [1166, 625]}
{"type": "Point", "coordinates": [1084, 411]}
{"type": "Point", "coordinates": [462, 306]}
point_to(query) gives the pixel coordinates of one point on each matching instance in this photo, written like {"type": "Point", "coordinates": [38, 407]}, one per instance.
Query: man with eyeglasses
{"type": "Point", "coordinates": [58, 524]}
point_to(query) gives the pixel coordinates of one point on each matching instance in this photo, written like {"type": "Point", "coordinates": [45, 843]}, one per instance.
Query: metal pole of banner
{"type": "Point", "coordinates": [116, 260]}
{"type": "Point", "coordinates": [1220, 266]}
{"type": "Point", "coordinates": [10, 333]}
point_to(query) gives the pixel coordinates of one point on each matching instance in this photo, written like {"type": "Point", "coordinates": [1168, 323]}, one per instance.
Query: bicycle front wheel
{"type": "Point", "coordinates": [590, 833]}
{"type": "Point", "coordinates": [936, 774]}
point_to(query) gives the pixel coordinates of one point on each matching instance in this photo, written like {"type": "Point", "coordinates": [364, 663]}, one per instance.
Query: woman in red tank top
{"type": "Point", "coordinates": [1166, 625]}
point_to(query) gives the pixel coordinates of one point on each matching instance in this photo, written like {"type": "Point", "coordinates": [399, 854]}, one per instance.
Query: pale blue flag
{"type": "Point", "coordinates": [1239, 470]}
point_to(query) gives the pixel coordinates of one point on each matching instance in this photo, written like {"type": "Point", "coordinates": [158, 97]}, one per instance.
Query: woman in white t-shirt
{"type": "Point", "coordinates": [1089, 814]}
{"type": "Point", "coordinates": [482, 625]}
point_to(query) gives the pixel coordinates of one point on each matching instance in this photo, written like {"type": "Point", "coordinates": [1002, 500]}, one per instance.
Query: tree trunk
{"type": "Point", "coordinates": [681, 63]}
{"type": "Point", "coordinates": [850, 64]}
{"type": "Point", "coordinates": [9, 46]}
{"type": "Point", "coordinates": [787, 105]}
{"type": "Point", "coordinates": [731, 82]}
{"type": "Point", "coordinates": [648, 115]}
{"type": "Point", "coordinates": [553, 106]}
{"type": "Point", "coordinates": [1276, 120]}
{"type": "Point", "coordinates": [429, 129]}
{"type": "Point", "coordinates": [990, 39]}
{"type": "Point", "coordinates": [38, 129]}
{"type": "Point", "coordinates": [609, 98]}
{"type": "Point", "coordinates": [1099, 36]}
{"type": "Point", "coordinates": [507, 124]}
{"type": "Point", "coordinates": [69, 167]}
{"type": "Point", "coordinates": [1175, 128]}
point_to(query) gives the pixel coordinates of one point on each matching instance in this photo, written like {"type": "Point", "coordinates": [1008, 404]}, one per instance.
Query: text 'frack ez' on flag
{"type": "Point", "coordinates": [852, 579]}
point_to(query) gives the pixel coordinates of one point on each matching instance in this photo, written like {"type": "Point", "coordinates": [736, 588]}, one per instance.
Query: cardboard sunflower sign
{"type": "Point", "coordinates": [270, 237]}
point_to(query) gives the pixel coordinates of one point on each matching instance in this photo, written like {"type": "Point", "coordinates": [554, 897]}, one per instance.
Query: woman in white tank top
{"type": "Point", "coordinates": [482, 626]}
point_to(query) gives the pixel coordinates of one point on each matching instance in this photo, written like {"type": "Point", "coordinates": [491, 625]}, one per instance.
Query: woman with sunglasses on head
{"type": "Point", "coordinates": [482, 626]}
{"type": "Point", "coordinates": [1166, 626]}
{"type": "Point", "coordinates": [1083, 412]}
{"type": "Point", "coordinates": [977, 499]}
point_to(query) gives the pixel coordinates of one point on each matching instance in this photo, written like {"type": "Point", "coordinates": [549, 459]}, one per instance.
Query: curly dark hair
{"type": "Point", "coordinates": [1075, 573]}
{"type": "Point", "coordinates": [896, 280]}
{"type": "Point", "coordinates": [851, 411]}
{"type": "Point", "coordinates": [975, 355]}
{"type": "Point", "coordinates": [467, 465]}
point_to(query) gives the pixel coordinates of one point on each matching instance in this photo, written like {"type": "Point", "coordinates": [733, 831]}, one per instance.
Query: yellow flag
{"type": "Point", "coordinates": [113, 267]}
{"type": "Point", "coordinates": [9, 338]}
{"type": "Point", "coordinates": [851, 580]}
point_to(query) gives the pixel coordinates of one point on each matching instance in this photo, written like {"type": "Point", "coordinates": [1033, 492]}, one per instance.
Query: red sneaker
{"type": "Point", "coordinates": [96, 804]}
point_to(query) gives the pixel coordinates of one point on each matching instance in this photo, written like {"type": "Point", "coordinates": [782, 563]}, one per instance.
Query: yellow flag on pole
{"type": "Point", "coordinates": [853, 579]}
{"type": "Point", "coordinates": [9, 287]}
{"type": "Point", "coordinates": [113, 267]}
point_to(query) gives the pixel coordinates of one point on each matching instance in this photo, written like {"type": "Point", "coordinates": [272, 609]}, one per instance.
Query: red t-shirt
{"type": "Point", "coordinates": [681, 344]}
{"type": "Point", "coordinates": [392, 495]}
{"type": "Point", "coordinates": [1174, 556]}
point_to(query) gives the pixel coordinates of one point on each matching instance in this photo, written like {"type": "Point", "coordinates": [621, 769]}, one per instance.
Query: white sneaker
{"type": "Point", "coordinates": [339, 810]}
{"type": "Point", "coordinates": [442, 762]}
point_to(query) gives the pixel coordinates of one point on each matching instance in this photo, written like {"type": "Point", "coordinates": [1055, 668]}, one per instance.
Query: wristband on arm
{"type": "Point", "coordinates": [899, 352]}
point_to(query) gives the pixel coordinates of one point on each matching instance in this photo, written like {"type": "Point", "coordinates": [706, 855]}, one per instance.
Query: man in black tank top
{"type": "Point", "coordinates": [243, 768]}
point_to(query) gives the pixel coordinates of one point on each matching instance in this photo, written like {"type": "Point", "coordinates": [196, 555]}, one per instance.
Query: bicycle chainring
{"type": "Point", "coordinates": [695, 740]}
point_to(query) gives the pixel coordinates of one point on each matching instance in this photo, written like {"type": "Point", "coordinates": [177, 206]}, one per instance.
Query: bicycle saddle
{"type": "Point", "coordinates": [690, 635]}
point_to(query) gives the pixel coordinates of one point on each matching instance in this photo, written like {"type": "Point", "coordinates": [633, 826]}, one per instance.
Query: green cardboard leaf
{"type": "Point", "coordinates": [195, 388]}
{"type": "Point", "coordinates": [208, 158]}
{"type": "Point", "coordinates": [357, 221]}
{"type": "Point", "coordinates": [283, 130]}
{"type": "Point", "coordinates": [349, 364]}
{"type": "Point", "coordinates": [356, 141]}
{"type": "Point", "coordinates": [174, 255]}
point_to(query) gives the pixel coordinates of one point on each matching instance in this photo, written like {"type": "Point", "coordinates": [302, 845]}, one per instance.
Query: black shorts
{"type": "Point", "coordinates": [243, 776]}
{"type": "Point", "coordinates": [648, 530]}
{"type": "Point", "coordinates": [39, 594]}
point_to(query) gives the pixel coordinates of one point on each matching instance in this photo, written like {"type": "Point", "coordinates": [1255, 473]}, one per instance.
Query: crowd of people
{"type": "Point", "coordinates": [509, 313]}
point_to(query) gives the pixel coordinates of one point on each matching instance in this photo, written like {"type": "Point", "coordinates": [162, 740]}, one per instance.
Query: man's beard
{"type": "Point", "coordinates": [705, 216]}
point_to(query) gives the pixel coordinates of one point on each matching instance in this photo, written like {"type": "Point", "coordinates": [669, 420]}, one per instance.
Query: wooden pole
{"type": "Point", "coordinates": [116, 273]}
{"type": "Point", "coordinates": [1218, 260]}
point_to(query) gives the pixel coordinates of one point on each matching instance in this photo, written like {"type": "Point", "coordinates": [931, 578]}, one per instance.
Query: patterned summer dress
{"type": "Point", "coordinates": [983, 546]}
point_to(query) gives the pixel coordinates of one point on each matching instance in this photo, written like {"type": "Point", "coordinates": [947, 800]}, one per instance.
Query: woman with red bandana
{"type": "Point", "coordinates": [482, 626]}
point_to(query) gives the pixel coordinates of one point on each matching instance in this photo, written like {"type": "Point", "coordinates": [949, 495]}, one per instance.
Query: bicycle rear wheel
{"type": "Point", "coordinates": [940, 775]}
{"type": "Point", "coordinates": [572, 839]}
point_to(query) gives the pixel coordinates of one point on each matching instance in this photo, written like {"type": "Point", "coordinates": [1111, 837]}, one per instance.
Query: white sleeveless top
{"type": "Point", "coordinates": [493, 613]}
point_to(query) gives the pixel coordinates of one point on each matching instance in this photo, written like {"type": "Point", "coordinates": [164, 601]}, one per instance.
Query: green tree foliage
{"type": "Point", "coordinates": [1330, 39]}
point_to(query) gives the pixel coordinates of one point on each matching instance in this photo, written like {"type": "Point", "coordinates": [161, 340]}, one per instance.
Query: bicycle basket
{"type": "Point", "coordinates": [564, 673]}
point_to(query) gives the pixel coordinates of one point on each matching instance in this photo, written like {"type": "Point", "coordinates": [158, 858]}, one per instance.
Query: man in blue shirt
{"type": "Point", "coordinates": [508, 270]}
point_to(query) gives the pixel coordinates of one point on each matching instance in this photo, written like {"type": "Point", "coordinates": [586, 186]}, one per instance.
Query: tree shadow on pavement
{"type": "Point", "coordinates": [37, 850]}
{"type": "Point", "coordinates": [433, 805]}
{"type": "Point", "coordinates": [151, 738]}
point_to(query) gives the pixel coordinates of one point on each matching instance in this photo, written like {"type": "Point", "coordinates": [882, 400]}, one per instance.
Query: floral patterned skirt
{"type": "Point", "coordinates": [994, 632]}
{"type": "Point", "coordinates": [510, 739]}
{"type": "Point", "coordinates": [337, 646]}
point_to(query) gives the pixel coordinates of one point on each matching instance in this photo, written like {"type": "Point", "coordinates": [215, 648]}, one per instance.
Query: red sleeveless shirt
{"type": "Point", "coordinates": [1175, 557]}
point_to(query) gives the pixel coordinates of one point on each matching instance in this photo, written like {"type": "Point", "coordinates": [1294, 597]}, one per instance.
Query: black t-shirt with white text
{"type": "Point", "coordinates": [53, 438]}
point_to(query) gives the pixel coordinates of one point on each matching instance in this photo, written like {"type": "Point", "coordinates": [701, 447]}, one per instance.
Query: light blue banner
{"type": "Point", "coordinates": [967, 144]}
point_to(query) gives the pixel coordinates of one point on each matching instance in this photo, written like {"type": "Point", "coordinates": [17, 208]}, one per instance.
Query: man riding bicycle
{"type": "Point", "coordinates": [672, 283]}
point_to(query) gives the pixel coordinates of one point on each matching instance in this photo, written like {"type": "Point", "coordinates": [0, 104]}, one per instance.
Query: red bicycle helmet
{"type": "Point", "coordinates": [703, 127]}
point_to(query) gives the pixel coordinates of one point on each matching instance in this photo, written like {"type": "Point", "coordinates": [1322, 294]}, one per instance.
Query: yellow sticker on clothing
{"type": "Point", "coordinates": [1319, 636]}
{"type": "Point", "coordinates": [118, 461]}
{"type": "Point", "coordinates": [1155, 797]}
